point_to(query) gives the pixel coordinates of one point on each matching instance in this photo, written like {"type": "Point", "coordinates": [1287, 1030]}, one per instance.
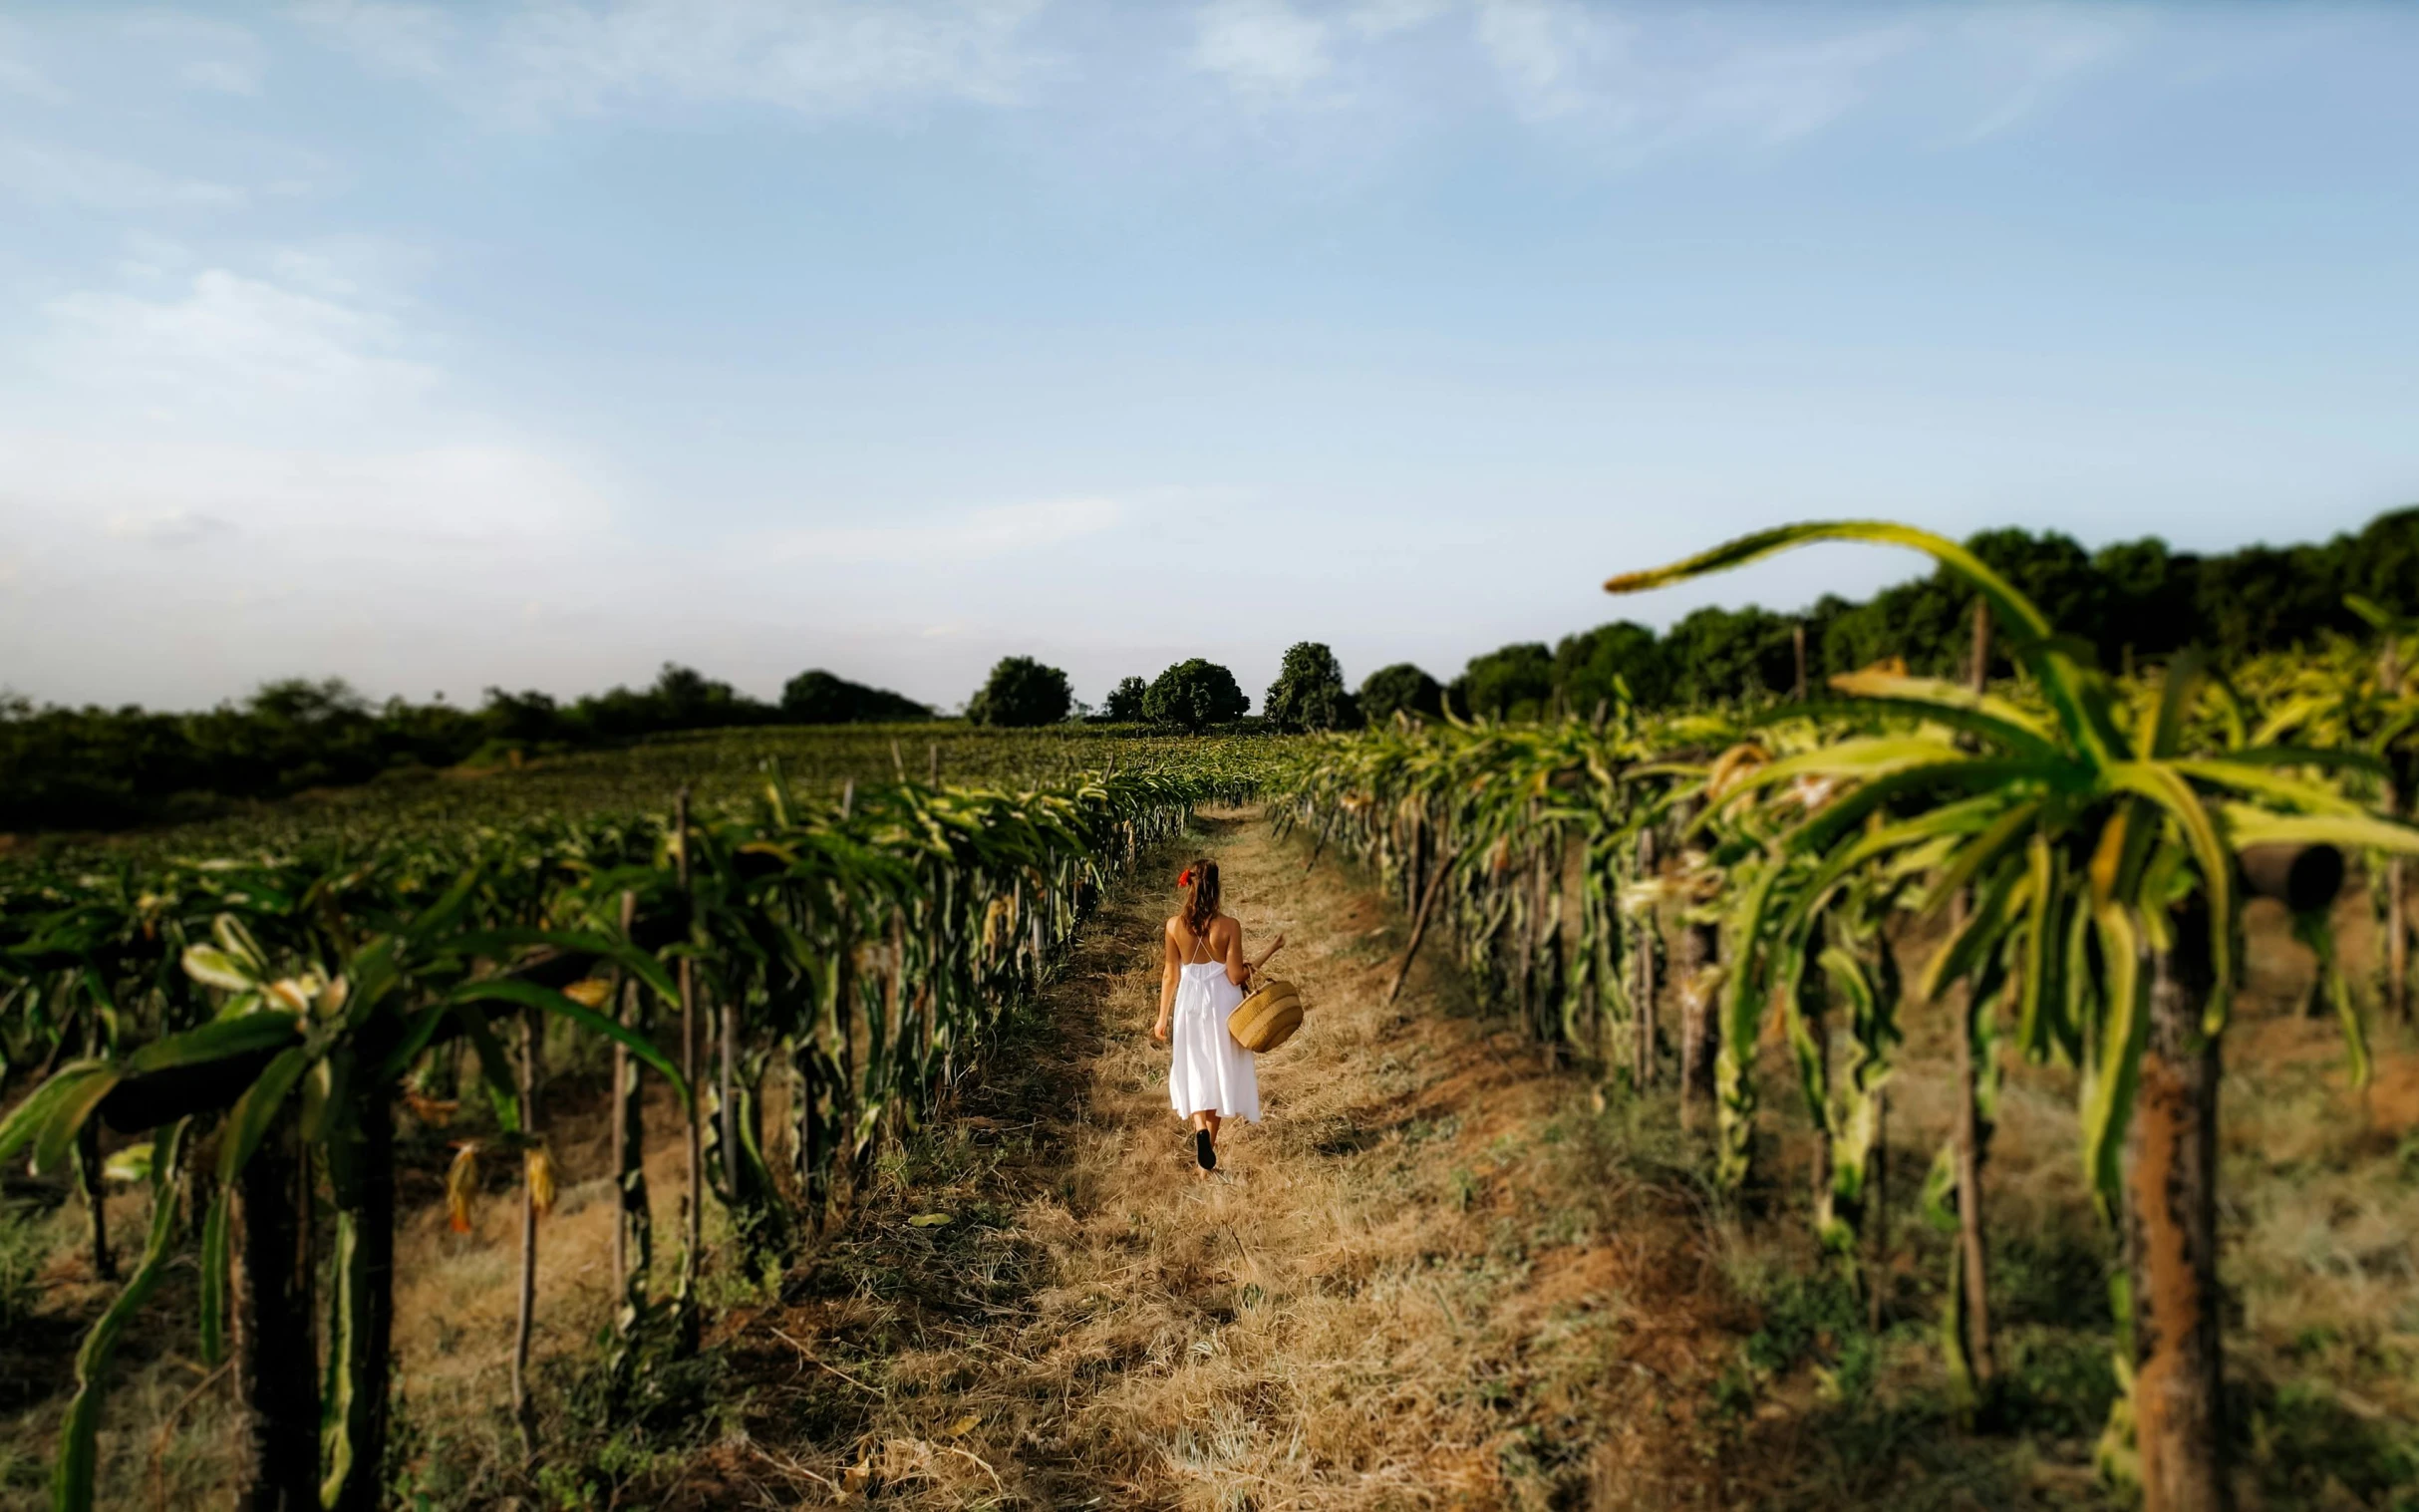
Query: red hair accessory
{"type": "Point", "coordinates": [1187, 879]}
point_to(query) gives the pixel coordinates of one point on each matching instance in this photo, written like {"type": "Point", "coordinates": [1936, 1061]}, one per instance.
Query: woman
{"type": "Point", "coordinates": [1202, 977]}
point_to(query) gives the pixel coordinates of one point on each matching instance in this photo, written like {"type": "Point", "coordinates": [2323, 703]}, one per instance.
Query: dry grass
{"type": "Point", "coordinates": [1423, 1282]}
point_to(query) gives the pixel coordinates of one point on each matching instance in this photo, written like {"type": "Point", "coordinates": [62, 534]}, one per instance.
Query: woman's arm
{"type": "Point", "coordinates": [1251, 967]}
{"type": "Point", "coordinates": [1167, 984]}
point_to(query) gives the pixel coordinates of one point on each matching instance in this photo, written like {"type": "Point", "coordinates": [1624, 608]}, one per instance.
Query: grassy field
{"type": "Point", "coordinates": [717, 765]}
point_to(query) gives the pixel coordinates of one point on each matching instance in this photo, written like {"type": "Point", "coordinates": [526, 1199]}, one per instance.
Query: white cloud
{"type": "Point", "coordinates": [975, 535]}
{"type": "Point", "coordinates": [229, 347]}
{"type": "Point", "coordinates": [411, 40]}
{"type": "Point", "coordinates": [1544, 50]}
{"type": "Point", "coordinates": [1261, 46]}
{"type": "Point", "coordinates": [1778, 91]}
{"type": "Point", "coordinates": [288, 413]}
{"type": "Point", "coordinates": [259, 470]}
{"type": "Point", "coordinates": [1661, 79]}
{"type": "Point", "coordinates": [2044, 50]}
{"type": "Point", "coordinates": [547, 59]}
{"type": "Point", "coordinates": [815, 57]}
{"type": "Point", "coordinates": [1384, 18]}
{"type": "Point", "coordinates": [18, 74]}
{"type": "Point", "coordinates": [1643, 77]}
{"type": "Point", "coordinates": [1638, 77]}
{"type": "Point", "coordinates": [206, 54]}
{"type": "Point", "coordinates": [93, 181]}
{"type": "Point", "coordinates": [293, 505]}
{"type": "Point", "coordinates": [167, 527]}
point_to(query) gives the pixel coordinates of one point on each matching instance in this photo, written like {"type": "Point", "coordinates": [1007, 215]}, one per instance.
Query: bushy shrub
{"type": "Point", "coordinates": [1193, 695]}
{"type": "Point", "coordinates": [1126, 700]}
{"type": "Point", "coordinates": [1022, 692]}
{"type": "Point", "coordinates": [818, 697]}
{"type": "Point", "coordinates": [1401, 688]}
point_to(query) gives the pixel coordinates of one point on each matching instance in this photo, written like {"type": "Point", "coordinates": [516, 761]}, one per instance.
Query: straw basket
{"type": "Point", "coordinates": [1266, 1019]}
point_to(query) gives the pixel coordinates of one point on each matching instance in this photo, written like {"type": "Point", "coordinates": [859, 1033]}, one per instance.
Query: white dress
{"type": "Point", "coordinates": [1210, 1072]}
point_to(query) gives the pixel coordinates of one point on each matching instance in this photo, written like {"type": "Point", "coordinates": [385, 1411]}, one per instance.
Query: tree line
{"type": "Point", "coordinates": [1193, 695]}
{"type": "Point", "coordinates": [2128, 601]}
{"type": "Point", "coordinates": [94, 767]}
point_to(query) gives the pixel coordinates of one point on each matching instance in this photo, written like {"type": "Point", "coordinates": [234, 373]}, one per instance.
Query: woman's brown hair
{"type": "Point", "coordinates": [1201, 896]}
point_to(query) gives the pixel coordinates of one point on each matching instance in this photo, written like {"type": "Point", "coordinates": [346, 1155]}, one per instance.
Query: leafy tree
{"type": "Point", "coordinates": [682, 698]}
{"type": "Point", "coordinates": [818, 697]}
{"type": "Point", "coordinates": [1022, 692]}
{"type": "Point", "coordinates": [1514, 683]}
{"type": "Point", "coordinates": [64, 767]}
{"type": "Point", "coordinates": [1194, 695]}
{"type": "Point", "coordinates": [1587, 665]}
{"type": "Point", "coordinates": [1728, 654]}
{"type": "Point", "coordinates": [690, 700]}
{"type": "Point", "coordinates": [527, 717]}
{"type": "Point", "coordinates": [2146, 604]}
{"type": "Point", "coordinates": [1401, 686]}
{"type": "Point", "coordinates": [1126, 700]}
{"type": "Point", "coordinates": [1308, 693]}
{"type": "Point", "coordinates": [299, 700]}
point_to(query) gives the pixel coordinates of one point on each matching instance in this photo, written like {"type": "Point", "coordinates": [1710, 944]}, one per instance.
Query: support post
{"type": "Point", "coordinates": [634, 1224]}
{"type": "Point", "coordinates": [1419, 923]}
{"type": "Point", "coordinates": [1650, 941]}
{"type": "Point", "coordinates": [525, 1319]}
{"type": "Point", "coordinates": [692, 1216]}
{"type": "Point", "coordinates": [1972, 1133]}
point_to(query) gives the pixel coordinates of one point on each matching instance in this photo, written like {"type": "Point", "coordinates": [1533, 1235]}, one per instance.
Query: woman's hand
{"type": "Point", "coordinates": [1274, 946]}
{"type": "Point", "coordinates": [1161, 1029]}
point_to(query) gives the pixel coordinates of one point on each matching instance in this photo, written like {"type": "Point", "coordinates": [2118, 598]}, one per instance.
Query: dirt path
{"type": "Point", "coordinates": [1366, 1310]}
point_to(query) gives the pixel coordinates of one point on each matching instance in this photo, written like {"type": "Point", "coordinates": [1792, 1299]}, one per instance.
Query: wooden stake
{"type": "Point", "coordinates": [89, 1171]}
{"type": "Point", "coordinates": [1699, 1019]}
{"type": "Point", "coordinates": [632, 1224]}
{"type": "Point", "coordinates": [1877, 1211]}
{"type": "Point", "coordinates": [1419, 922]}
{"type": "Point", "coordinates": [1649, 936]}
{"type": "Point", "coordinates": [524, 1416]}
{"type": "Point", "coordinates": [1971, 1134]}
{"type": "Point", "coordinates": [694, 1236]}
{"type": "Point", "coordinates": [2397, 924]}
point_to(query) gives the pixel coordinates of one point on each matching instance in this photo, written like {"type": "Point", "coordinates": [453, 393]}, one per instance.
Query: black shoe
{"type": "Point", "coordinates": [1204, 1151]}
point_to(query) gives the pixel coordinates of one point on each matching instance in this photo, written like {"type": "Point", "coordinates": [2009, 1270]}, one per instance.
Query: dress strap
{"type": "Point", "coordinates": [1199, 941]}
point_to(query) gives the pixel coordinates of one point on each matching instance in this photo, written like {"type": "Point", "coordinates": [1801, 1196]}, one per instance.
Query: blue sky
{"type": "Point", "coordinates": [537, 343]}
